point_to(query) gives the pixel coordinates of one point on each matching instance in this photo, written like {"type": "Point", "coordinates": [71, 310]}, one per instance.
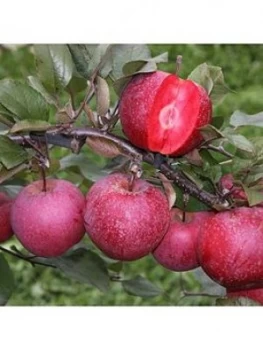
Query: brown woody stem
{"type": "Point", "coordinates": [63, 138]}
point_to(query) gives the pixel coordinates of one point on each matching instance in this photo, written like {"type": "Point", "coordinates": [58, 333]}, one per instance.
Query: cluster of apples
{"type": "Point", "coordinates": [128, 220]}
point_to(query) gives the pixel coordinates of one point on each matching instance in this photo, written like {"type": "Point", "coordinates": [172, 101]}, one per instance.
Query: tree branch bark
{"type": "Point", "coordinates": [64, 137]}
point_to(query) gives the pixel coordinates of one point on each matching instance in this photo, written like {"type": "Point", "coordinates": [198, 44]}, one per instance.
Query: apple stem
{"type": "Point", "coordinates": [178, 64]}
{"type": "Point", "coordinates": [131, 182]}
{"type": "Point", "coordinates": [43, 173]}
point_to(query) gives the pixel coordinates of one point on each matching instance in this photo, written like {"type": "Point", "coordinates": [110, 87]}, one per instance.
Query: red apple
{"type": "Point", "coordinates": [4, 198]}
{"type": "Point", "coordinates": [126, 223]}
{"type": "Point", "coordinates": [5, 225]}
{"type": "Point", "coordinates": [227, 185]}
{"type": "Point", "coordinates": [162, 113]}
{"type": "Point", "coordinates": [48, 223]}
{"type": "Point", "coordinates": [254, 294]}
{"type": "Point", "coordinates": [177, 250]}
{"type": "Point", "coordinates": [230, 248]}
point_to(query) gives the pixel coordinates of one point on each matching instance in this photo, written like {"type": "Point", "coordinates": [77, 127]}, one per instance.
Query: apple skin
{"type": "Point", "coordinates": [48, 223]}
{"type": "Point", "coordinates": [162, 113]}
{"type": "Point", "coordinates": [5, 224]}
{"type": "Point", "coordinates": [227, 183]}
{"type": "Point", "coordinates": [126, 224]}
{"type": "Point", "coordinates": [230, 248]}
{"type": "Point", "coordinates": [254, 294]}
{"type": "Point", "coordinates": [177, 250]}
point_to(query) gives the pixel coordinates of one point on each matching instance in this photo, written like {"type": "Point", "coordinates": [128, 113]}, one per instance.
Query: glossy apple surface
{"type": "Point", "coordinates": [162, 113]}
{"type": "Point", "coordinates": [230, 248]}
{"type": "Point", "coordinates": [254, 294]}
{"type": "Point", "coordinates": [48, 223]}
{"type": "Point", "coordinates": [5, 224]}
{"type": "Point", "coordinates": [178, 249]}
{"type": "Point", "coordinates": [126, 223]}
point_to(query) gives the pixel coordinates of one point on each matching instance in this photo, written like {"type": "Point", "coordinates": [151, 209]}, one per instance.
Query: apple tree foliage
{"type": "Point", "coordinates": [78, 86]}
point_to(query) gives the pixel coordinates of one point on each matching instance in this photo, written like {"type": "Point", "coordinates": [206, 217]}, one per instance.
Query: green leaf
{"type": "Point", "coordinates": [120, 84]}
{"type": "Point", "coordinates": [240, 142]}
{"type": "Point", "coordinates": [241, 301]}
{"type": "Point", "coordinates": [54, 65]}
{"type": "Point", "coordinates": [212, 79]}
{"type": "Point", "coordinates": [116, 267]}
{"type": "Point", "coordinates": [88, 57]}
{"type": "Point", "coordinates": [36, 84]}
{"type": "Point", "coordinates": [209, 132]}
{"type": "Point", "coordinates": [7, 283]}
{"type": "Point", "coordinates": [207, 284]}
{"type": "Point", "coordinates": [141, 287]}
{"type": "Point", "coordinates": [239, 118]}
{"type": "Point", "coordinates": [11, 154]}
{"type": "Point", "coordinates": [22, 100]}
{"type": "Point", "coordinates": [87, 167]}
{"type": "Point", "coordinates": [123, 54]}
{"type": "Point", "coordinates": [136, 67]}
{"type": "Point", "coordinates": [6, 116]}
{"type": "Point", "coordinates": [30, 125]}
{"type": "Point", "coordinates": [76, 84]}
{"type": "Point", "coordinates": [84, 266]}
{"type": "Point", "coordinates": [254, 195]}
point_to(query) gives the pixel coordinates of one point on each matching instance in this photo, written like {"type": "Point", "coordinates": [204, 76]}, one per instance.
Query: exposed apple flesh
{"type": "Point", "coordinates": [162, 113]}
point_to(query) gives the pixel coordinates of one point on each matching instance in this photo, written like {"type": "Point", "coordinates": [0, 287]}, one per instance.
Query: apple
{"type": "Point", "coordinates": [126, 221]}
{"type": "Point", "coordinates": [254, 294]}
{"type": "Point", "coordinates": [5, 224]}
{"type": "Point", "coordinates": [227, 185]}
{"type": "Point", "coordinates": [48, 223]}
{"type": "Point", "coordinates": [4, 198]}
{"type": "Point", "coordinates": [162, 113]}
{"type": "Point", "coordinates": [177, 250]}
{"type": "Point", "coordinates": [230, 248]}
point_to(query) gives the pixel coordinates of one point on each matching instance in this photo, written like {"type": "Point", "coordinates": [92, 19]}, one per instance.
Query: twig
{"type": "Point", "coordinates": [91, 89]}
{"type": "Point", "coordinates": [219, 149]}
{"type": "Point", "coordinates": [25, 258]}
{"type": "Point", "coordinates": [63, 138]}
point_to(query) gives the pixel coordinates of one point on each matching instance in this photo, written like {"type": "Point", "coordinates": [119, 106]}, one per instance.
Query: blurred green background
{"type": "Point", "coordinates": [243, 69]}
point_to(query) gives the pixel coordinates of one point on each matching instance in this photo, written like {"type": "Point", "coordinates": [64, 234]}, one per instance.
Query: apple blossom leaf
{"type": "Point", "coordinates": [141, 287]}
{"type": "Point", "coordinates": [254, 195]}
{"type": "Point", "coordinates": [233, 301]}
{"type": "Point", "coordinates": [36, 84]}
{"type": "Point", "coordinates": [239, 118]}
{"type": "Point", "coordinates": [29, 125]}
{"type": "Point", "coordinates": [22, 100]}
{"type": "Point", "coordinates": [84, 266]}
{"type": "Point", "coordinates": [54, 66]}
{"type": "Point", "coordinates": [169, 189]}
{"type": "Point", "coordinates": [212, 79]}
{"type": "Point", "coordinates": [11, 154]}
{"type": "Point", "coordinates": [7, 283]}
{"type": "Point", "coordinates": [102, 96]}
{"type": "Point", "coordinates": [103, 147]}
